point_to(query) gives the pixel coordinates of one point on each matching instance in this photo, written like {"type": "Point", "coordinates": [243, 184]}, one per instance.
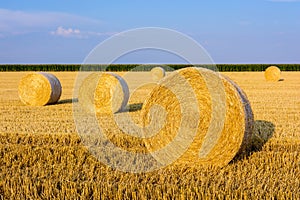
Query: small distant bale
{"type": "Point", "coordinates": [158, 73]}
{"type": "Point", "coordinates": [272, 73]}
{"type": "Point", "coordinates": [197, 116]}
{"type": "Point", "coordinates": [103, 92]}
{"type": "Point", "coordinates": [39, 89]}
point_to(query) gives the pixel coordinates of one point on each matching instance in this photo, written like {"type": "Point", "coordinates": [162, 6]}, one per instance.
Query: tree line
{"type": "Point", "coordinates": [141, 67]}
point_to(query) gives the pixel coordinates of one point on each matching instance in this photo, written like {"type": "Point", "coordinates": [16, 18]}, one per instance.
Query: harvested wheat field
{"type": "Point", "coordinates": [43, 157]}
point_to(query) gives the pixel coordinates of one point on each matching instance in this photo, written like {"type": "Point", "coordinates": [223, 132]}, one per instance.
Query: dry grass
{"type": "Point", "coordinates": [42, 157]}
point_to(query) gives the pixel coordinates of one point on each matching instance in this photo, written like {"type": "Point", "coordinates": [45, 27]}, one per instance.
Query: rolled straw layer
{"type": "Point", "coordinates": [157, 73]}
{"type": "Point", "coordinates": [196, 116]}
{"type": "Point", "coordinates": [103, 92]}
{"type": "Point", "coordinates": [272, 73]}
{"type": "Point", "coordinates": [39, 89]}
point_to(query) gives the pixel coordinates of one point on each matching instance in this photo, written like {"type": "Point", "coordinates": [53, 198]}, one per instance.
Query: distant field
{"type": "Point", "coordinates": [41, 155]}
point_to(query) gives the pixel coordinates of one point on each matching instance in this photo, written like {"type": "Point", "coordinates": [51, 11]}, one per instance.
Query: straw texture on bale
{"type": "Point", "coordinates": [214, 117]}
{"type": "Point", "coordinates": [157, 73]}
{"type": "Point", "coordinates": [39, 89]}
{"type": "Point", "coordinates": [103, 92]}
{"type": "Point", "coordinates": [272, 73]}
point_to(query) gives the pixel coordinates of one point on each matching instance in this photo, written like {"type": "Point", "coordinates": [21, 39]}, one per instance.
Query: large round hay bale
{"type": "Point", "coordinates": [157, 73]}
{"type": "Point", "coordinates": [39, 89]}
{"type": "Point", "coordinates": [272, 73]}
{"type": "Point", "coordinates": [103, 92]}
{"type": "Point", "coordinates": [197, 116]}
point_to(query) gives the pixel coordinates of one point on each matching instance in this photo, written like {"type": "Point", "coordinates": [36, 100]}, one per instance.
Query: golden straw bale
{"type": "Point", "coordinates": [272, 73]}
{"type": "Point", "coordinates": [197, 116]}
{"type": "Point", "coordinates": [103, 92]}
{"type": "Point", "coordinates": [157, 73]}
{"type": "Point", "coordinates": [39, 89]}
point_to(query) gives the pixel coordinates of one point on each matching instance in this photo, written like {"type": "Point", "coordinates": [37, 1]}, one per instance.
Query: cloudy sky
{"type": "Point", "coordinates": [231, 31]}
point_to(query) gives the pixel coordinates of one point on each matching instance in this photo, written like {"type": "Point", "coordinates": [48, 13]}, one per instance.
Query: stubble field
{"type": "Point", "coordinates": [42, 157]}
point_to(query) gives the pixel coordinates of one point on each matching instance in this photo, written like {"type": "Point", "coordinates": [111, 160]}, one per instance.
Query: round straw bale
{"type": "Point", "coordinates": [103, 92]}
{"type": "Point", "coordinates": [39, 89]}
{"type": "Point", "coordinates": [249, 119]}
{"type": "Point", "coordinates": [157, 73]}
{"type": "Point", "coordinates": [272, 73]}
{"type": "Point", "coordinates": [207, 119]}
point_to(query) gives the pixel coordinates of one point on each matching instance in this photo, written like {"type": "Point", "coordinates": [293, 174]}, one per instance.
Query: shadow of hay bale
{"type": "Point", "coordinates": [134, 107]}
{"type": "Point", "coordinates": [282, 79]}
{"type": "Point", "coordinates": [67, 101]}
{"type": "Point", "coordinates": [262, 132]}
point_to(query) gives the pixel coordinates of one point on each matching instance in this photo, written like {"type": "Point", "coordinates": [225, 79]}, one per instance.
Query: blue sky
{"type": "Point", "coordinates": [231, 31]}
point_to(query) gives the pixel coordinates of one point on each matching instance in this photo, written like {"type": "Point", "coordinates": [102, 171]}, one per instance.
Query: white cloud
{"type": "Point", "coordinates": [69, 32]}
{"type": "Point", "coordinates": [13, 22]}
{"type": "Point", "coordinates": [76, 33]}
